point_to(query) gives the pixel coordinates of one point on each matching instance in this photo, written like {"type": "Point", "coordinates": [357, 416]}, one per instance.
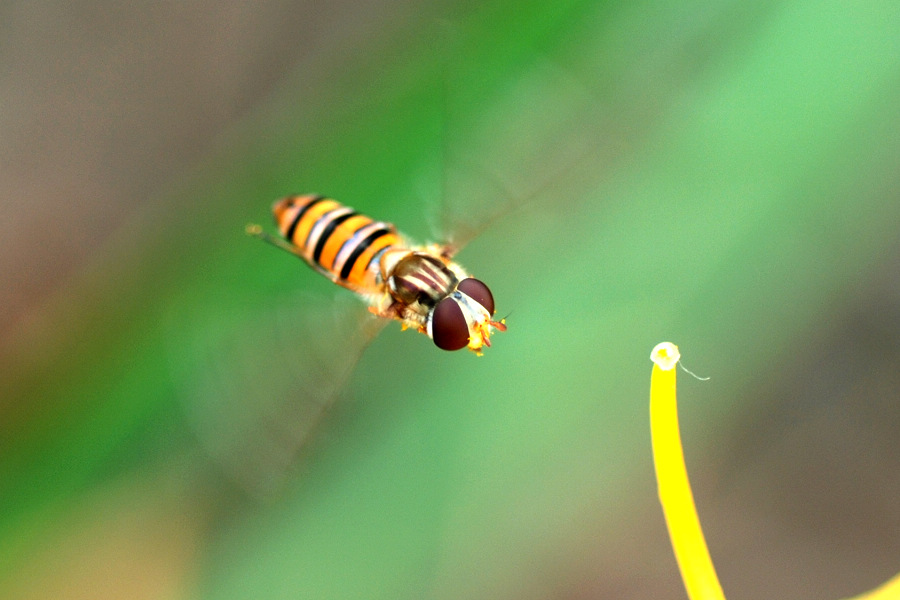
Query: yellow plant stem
{"type": "Point", "coordinates": [890, 590]}
{"type": "Point", "coordinates": [688, 542]}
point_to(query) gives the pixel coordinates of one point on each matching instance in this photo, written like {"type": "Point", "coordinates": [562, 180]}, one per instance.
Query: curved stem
{"type": "Point", "coordinates": [889, 590]}
{"type": "Point", "coordinates": [693, 558]}
{"type": "Point", "coordinates": [675, 495]}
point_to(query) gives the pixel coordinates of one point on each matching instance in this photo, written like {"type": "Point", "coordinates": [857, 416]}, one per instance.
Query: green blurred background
{"type": "Point", "coordinates": [723, 175]}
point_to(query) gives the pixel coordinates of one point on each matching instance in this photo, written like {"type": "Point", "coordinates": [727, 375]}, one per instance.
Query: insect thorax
{"type": "Point", "coordinates": [418, 280]}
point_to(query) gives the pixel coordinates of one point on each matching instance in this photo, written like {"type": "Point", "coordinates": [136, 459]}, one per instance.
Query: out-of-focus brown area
{"type": "Point", "coordinates": [101, 104]}
{"type": "Point", "coordinates": [122, 541]}
{"type": "Point", "coordinates": [802, 499]}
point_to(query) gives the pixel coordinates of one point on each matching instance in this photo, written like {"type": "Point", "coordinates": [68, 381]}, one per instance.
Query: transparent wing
{"type": "Point", "coordinates": [256, 380]}
{"type": "Point", "coordinates": [529, 141]}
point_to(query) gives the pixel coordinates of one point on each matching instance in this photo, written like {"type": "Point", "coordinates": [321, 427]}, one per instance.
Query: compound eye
{"type": "Point", "coordinates": [448, 325]}
{"type": "Point", "coordinates": [477, 291]}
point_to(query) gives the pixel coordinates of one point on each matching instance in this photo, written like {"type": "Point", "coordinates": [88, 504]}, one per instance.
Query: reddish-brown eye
{"type": "Point", "coordinates": [448, 325]}
{"type": "Point", "coordinates": [478, 292]}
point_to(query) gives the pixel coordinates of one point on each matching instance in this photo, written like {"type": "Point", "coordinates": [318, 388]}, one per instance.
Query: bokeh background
{"type": "Point", "coordinates": [188, 413]}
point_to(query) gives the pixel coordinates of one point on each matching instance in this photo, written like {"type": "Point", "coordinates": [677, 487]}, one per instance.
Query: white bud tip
{"type": "Point", "coordinates": [665, 355]}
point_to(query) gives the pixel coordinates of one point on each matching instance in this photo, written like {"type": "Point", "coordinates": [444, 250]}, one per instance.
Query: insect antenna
{"type": "Point", "coordinates": [256, 231]}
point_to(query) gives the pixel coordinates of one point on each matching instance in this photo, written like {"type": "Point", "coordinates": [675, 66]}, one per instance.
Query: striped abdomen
{"type": "Point", "coordinates": [341, 243]}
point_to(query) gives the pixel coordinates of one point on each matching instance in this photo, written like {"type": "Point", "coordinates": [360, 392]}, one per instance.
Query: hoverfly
{"type": "Point", "coordinates": [254, 412]}
{"type": "Point", "coordinates": [261, 374]}
{"type": "Point", "coordinates": [420, 286]}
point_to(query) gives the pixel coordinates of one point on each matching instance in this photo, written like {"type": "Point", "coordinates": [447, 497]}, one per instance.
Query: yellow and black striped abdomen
{"type": "Point", "coordinates": [333, 238]}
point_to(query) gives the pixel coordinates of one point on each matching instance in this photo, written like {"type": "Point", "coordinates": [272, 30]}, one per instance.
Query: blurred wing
{"type": "Point", "coordinates": [529, 141]}
{"type": "Point", "coordinates": [257, 380]}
